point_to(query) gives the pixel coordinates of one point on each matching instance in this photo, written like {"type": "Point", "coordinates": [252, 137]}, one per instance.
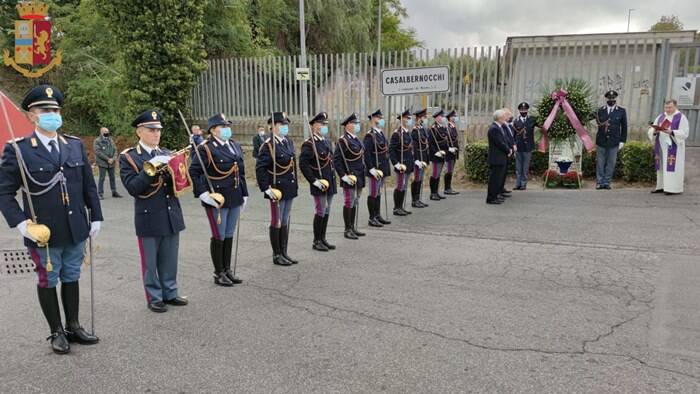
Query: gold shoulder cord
{"type": "Point", "coordinates": [156, 185]}
{"type": "Point", "coordinates": [224, 174]}
{"type": "Point", "coordinates": [283, 169]}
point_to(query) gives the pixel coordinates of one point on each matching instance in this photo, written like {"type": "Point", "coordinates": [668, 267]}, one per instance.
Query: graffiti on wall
{"type": "Point", "coordinates": [614, 82]}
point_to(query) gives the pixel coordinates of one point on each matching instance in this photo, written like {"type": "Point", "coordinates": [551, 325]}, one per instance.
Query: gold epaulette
{"type": "Point", "coordinates": [125, 151]}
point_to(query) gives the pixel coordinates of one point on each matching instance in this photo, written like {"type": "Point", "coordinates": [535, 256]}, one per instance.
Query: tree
{"type": "Point", "coordinates": [227, 30]}
{"type": "Point", "coordinates": [667, 23]}
{"type": "Point", "coordinates": [162, 50]}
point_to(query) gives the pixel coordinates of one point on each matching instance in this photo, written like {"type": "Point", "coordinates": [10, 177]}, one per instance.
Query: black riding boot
{"type": "Point", "coordinates": [228, 253]}
{"type": "Point", "coordinates": [277, 257]}
{"type": "Point", "coordinates": [373, 212]}
{"type": "Point", "coordinates": [323, 233]}
{"type": "Point", "coordinates": [48, 300]}
{"type": "Point", "coordinates": [348, 219]}
{"type": "Point", "coordinates": [284, 239]}
{"type": "Point", "coordinates": [318, 235]}
{"type": "Point", "coordinates": [70, 295]}
{"type": "Point", "coordinates": [355, 218]}
{"type": "Point", "coordinates": [434, 188]}
{"type": "Point", "coordinates": [397, 203]}
{"type": "Point", "coordinates": [216, 248]}
{"type": "Point", "coordinates": [448, 185]}
{"type": "Point", "coordinates": [380, 219]}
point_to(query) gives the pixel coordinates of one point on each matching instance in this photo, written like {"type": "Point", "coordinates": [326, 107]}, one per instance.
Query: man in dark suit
{"type": "Point", "coordinates": [258, 140]}
{"type": "Point", "coordinates": [509, 135]}
{"type": "Point", "coordinates": [61, 188]}
{"type": "Point", "coordinates": [524, 126]}
{"type": "Point", "coordinates": [611, 137]}
{"type": "Point", "coordinates": [499, 152]}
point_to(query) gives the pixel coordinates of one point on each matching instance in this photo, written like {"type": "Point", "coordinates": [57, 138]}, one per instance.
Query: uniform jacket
{"type": "Point", "coordinates": [401, 149]}
{"type": "Point", "coordinates": [438, 140]}
{"type": "Point", "coordinates": [498, 145]}
{"type": "Point", "coordinates": [612, 127]}
{"type": "Point", "coordinates": [421, 149]}
{"type": "Point", "coordinates": [454, 141]}
{"type": "Point", "coordinates": [257, 142]}
{"type": "Point", "coordinates": [226, 170]}
{"type": "Point", "coordinates": [352, 148]}
{"type": "Point", "coordinates": [309, 165]}
{"type": "Point", "coordinates": [104, 149]}
{"type": "Point", "coordinates": [524, 133]}
{"type": "Point", "coordinates": [157, 211]}
{"type": "Point", "coordinates": [67, 219]}
{"type": "Point", "coordinates": [286, 170]}
{"type": "Point", "coordinates": [372, 151]}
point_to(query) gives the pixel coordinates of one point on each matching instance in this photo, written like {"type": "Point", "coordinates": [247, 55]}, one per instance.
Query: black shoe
{"type": "Point", "coordinates": [406, 212]}
{"type": "Point", "coordinates": [655, 191]}
{"type": "Point", "coordinates": [494, 202]}
{"type": "Point", "coordinates": [399, 212]}
{"type": "Point", "coordinates": [448, 185]}
{"type": "Point", "coordinates": [378, 210]}
{"type": "Point", "coordinates": [506, 191]}
{"type": "Point", "coordinates": [228, 253]}
{"type": "Point", "coordinates": [59, 342]}
{"type": "Point", "coordinates": [607, 187]}
{"type": "Point", "coordinates": [319, 245]}
{"type": "Point", "coordinates": [116, 195]}
{"type": "Point", "coordinates": [102, 197]}
{"type": "Point", "coordinates": [177, 301]}
{"type": "Point", "coordinates": [284, 238]}
{"type": "Point", "coordinates": [81, 336]}
{"type": "Point", "coordinates": [451, 192]}
{"type": "Point", "coordinates": [382, 220]}
{"type": "Point", "coordinates": [422, 204]}
{"type": "Point", "coordinates": [221, 279]}
{"type": "Point", "coordinates": [216, 252]}
{"type": "Point", "coordinates": [373, 222]}
{"type": "Point", "coordinates": [416, 204]}
{"type": "Point", "coordinates": [349, 234]}
{"type": "Point", "coordinates": [504, 195]}
{"type": "Point", "coordinates": [354, 223]}
{"type": "Point", "coordinates": [158, 307]}
{"type": "Point", "coordinates": [435, 197]}
{"type": "Point", "coordinates": [500, 199]}
{"type": "Point", "coordinates": [280, 260]}
{"type": "Point", "coordinates": [323, 233]}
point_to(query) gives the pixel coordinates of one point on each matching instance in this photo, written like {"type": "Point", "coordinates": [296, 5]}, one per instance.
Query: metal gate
{"type": "Point", "coordinates": [682, 65]}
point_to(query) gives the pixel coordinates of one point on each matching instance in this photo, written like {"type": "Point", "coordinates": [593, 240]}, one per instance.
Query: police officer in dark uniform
{"type": "Point", "coordinates": [377, 165]}
{"type": "Point", "coordinates": [62, 187]}
{"type": "Point", "coordinates": [452, 151]}
{"type": "Point", "coordinates": [421, 153]}
{"type": "Point", "coordinates": [349, 163]}
{"type": "Point", "coordinates": [611, 137]}
{"type": "Point", "coordinates": [316, 164]}
{"type": "Point", "coordinates": [157, 214]}
{"type": "Point", "coordinates": [439, 143]}
{"type": "Point", "coordinates": [275, 171]}
{"type": "Point", "coordinates": [401, 155]}
{"type": "Point", "coordinates": [224, 166]}
{"type": "Point", "coordinates": [524, 126]}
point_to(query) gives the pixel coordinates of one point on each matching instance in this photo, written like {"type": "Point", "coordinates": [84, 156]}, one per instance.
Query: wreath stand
{"type": "Point", "coordinates": [571, 148]}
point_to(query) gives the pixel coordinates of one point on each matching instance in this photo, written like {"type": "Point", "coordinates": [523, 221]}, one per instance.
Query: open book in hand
{"type": "Point", "coordinates": [665, 125]}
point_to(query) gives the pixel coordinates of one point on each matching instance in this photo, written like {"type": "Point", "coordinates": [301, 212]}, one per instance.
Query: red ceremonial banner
{"type": "Point", "coordinates": [177, 166]}
{"type": "Point", "coordinates": [21, 126]}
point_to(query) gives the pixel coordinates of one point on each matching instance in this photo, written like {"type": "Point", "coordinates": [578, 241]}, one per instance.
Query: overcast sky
{"type": "Point", "coordinates": [458, 23]}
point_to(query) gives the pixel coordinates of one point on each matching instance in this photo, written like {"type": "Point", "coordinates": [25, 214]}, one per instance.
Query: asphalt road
{"type": "Point", "coordinates": [555, 291]}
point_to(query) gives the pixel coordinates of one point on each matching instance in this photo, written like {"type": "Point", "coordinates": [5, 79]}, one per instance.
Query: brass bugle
{"type": "Point", "coordinates": [153, 169]}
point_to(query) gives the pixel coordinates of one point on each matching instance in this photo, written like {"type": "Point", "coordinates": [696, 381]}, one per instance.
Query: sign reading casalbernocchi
{"type": "Point", "coordinates": [415, 80]}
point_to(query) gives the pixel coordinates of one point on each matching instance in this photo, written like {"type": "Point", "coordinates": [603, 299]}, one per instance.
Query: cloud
{"type": "Point", "coordinates": [459, 23]}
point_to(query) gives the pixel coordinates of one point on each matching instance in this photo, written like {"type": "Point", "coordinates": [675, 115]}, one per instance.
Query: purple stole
{"type": "Point", "coordinates": [672, 149]}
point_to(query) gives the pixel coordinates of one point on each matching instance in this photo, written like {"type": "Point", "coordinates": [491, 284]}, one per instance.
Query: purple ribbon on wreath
{"type": "Point", "coordinates": [560, 100]}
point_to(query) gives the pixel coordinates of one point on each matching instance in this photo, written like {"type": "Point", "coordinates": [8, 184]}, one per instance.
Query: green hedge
{"type": "Point", "coordinates": [635, 162]}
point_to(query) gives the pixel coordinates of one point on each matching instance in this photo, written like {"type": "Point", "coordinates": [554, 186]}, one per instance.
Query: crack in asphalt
{"type": "Point", "coordinates": [582, 352]}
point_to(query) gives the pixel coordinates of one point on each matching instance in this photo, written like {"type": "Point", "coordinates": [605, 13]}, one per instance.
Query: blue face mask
{"type": "Point", "coordinates": [380, 123]}
{"type": "Point", "coordinates": [356, 128]}
{"type": "Point", "coordinates": [50, 121]}
{"type": "Point", "coordinates": [324, 130]}
{"type": "Point", "coordinates": [284, 130]}
{"type": "Point", "coordinates": [455, 119]}
{"type": "Point", "coordinates": [226, 133]}
{"type": "Point", "coordinates": [409, 123]}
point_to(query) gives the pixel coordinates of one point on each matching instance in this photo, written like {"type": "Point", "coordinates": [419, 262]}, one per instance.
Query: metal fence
{"type": "Point", "coordinates": [683, 64]}
{"type": "Point", "coordinates": [482, 79]}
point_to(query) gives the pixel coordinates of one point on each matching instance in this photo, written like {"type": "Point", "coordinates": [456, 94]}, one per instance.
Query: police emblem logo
{"type": "Point", "coordinates": [49, 92]}
{"type": "Point", "coordinates": [154, 115]}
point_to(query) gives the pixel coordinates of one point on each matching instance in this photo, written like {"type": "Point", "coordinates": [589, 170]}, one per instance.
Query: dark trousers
{"type": "Point", "coordinates": [497, 176]}
{"type": "Point", "coordinates": [504, 176]}
{"type": "Point", "coordinates": [101, 180]}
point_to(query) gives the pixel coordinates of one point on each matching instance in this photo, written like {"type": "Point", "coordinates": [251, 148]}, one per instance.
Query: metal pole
{"type": "Point", "coordinates": [302, 40]}
{"type": "Point", "coordinates": [379, 53]}
{"type": "Point", "coordinates": [629, 18]}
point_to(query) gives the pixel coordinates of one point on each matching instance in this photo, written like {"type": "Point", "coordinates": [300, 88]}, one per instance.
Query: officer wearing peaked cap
{"type": "Point", "coordinates": [276, 172]}
{"type": "Point", "coordinates": [348, 159]}
{"type": "Point", "coordinates": [222, 158]}
{"type": "Point", "coordinates": [524, 126]}
{"type": "Point", "coordinates": [378, 167]}
{"type": "Point", "coordinates": [439, 143]}
{"type": "Point", "coordinates": [611, 137]}
{"type": "Point", "coordinates": [401, 155]}
{"type": "Point", "coordinates": [62, 188]}
{"type": "Point", "coordinates": [316, 164]}
{"type": "Point", "coordinates": [158, 218]}
{"type": "Point", "coordinates": [452, 152]}
{"type": "Point", "coordinates": [421, 156]}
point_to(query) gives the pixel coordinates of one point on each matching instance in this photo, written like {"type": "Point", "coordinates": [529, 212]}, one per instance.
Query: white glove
{"type": "Point", "coordinates": [319, 185]}
{"type": "Point", "coordinates": [453, 149]}
{"type": "Point", "coordinates": [245, 203]}
{"type": "Point", "coordinates": [440, 154]}
{"type": "Point", "coordinates": [95, 229]}
{"type": "Point", "coordinates": [418, 164]}
{"type": "Point", "coordinates": [270, 194]}
{"type": "Point", "coordinates": [397, 166]}
{"type": "Point", "coordinates": [160, 159]}
{"type": "Point", "coordinates": [374, 173]}
{"type": "Point", "coordinates": [22, 227]}
{"type": "Point", "coordinates": [621, 145]}
{"type": "Point", "coordinates": [515, 148]}
{"type": "Point", "coordinates": [206, 198]}
{"type": "Point", "coordinates": [347, 180]}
